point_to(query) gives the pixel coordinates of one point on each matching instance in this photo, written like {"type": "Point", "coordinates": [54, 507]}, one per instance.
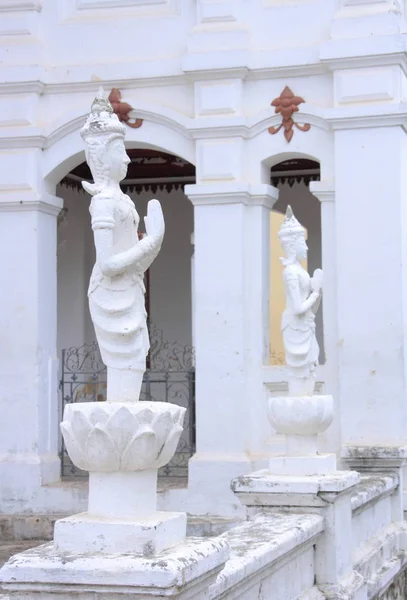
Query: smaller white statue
{"type": "Point", "coordinates": [303, 296]}
{"type": "Point", "coordinates": [116, 289]}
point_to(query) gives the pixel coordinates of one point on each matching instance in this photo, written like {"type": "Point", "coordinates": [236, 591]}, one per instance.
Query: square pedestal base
{"type": "Point", "coordinates": [320, 464]}
{"type": "Point", "coordinates": [184, 572]}
{"type": "Point", "coordinates": [84, 533]}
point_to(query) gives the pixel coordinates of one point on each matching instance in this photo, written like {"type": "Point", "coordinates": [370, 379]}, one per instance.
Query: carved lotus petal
{"type": "Point", "coordinates": [142, 451]}
{"type": "Point", "coordinates": [81, 426]}
{"type": "Point", "coordinates": [74, 450]}
{"type": "Point", "coordinates": [170, 446]}
{"type": "Point", "coordinates": [179, 415]}
{"type": "Point", "coordinates": [146, 416]}
{"type": "Point", "coordinates": [98, 416]}
{"type": "Point", "coordinates": [101, 452]}
{"type": "Point", "coordinates": [162, 427]}
{"type": "Point", "coordinates": [122, 426]}
{"type": "Point", "coordinates": [107, 437]}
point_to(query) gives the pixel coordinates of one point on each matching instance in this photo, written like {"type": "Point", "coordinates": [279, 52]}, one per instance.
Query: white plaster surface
{"type": "Point", "coordinates": [50, 575]}
{"type": "Point", "coordinates": [321, 464]}
{"type": "Point", "coordinates": [263, 541]}
{"type": "Point", "coordinates": [85, 533]}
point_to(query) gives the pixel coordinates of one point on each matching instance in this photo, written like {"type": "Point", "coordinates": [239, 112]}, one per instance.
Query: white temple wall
{"type": "Point", "coordinates": [206, 98]}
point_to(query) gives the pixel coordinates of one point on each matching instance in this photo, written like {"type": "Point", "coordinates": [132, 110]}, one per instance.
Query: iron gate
{"type": "Point", "coordinates": [169, 378]}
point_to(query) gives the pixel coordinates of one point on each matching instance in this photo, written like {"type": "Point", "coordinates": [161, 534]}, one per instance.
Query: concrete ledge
{"type": "Point", "coordinates": [42, 570]}
{"type": "Point", "coordinates": [374, 457]}
{"type": "Point", "coordinates": [260, 544]}
{"type": "Point", "coordinates": [371, 488]}
{"type": "Point", "coordinates": [262, 488]}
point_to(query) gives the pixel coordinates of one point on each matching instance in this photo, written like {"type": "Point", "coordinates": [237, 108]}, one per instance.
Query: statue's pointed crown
{"type": "Point", "coordinates": [290, 226]}
{"type": "Point", "coordinates": [102, 120]}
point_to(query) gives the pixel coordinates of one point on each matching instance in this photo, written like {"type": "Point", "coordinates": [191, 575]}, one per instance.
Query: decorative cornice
{"type": "Point", "coordinates": [36, 140]}
{"type": "Point", "coordinates": [286, 63]}
{"type": "Point", "coordinates": [249, 127]}
{"type": "Point", "coordinates": [20, 5]}
{"type": "Point", "coordinates": [323, 190]}
{"type": "Point", "coordinates": [48, 204]}
{"type": "Point", "coordinates": [214, 128]}
{"type": "Point", "coordinates": [356, 117]}
{"type": "Point", "coordinates": [377, 51]}
{"type": "Point", "coordinates": [24, 87]}
{"type": "Point", "coordinates": [360, 62]}
{"type": "Point", "coordinates": [232, 193]}
{"type": "Point", "coordinates": [253, 65]}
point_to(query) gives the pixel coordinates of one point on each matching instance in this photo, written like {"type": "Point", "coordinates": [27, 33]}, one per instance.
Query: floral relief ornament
{"type": "Point", "coordinates": [122, 109]}
{"type": "Point", "coordinates": [286, 105]}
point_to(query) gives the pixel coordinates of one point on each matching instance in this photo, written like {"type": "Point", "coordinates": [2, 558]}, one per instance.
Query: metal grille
{"type": "Point", "coordinates": [170, 378]}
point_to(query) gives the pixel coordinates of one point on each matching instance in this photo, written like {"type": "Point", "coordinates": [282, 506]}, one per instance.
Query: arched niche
{"type": "Point", "coordinates": [292, 178]}
{"type": "Point", "coordinates": [65, 151]}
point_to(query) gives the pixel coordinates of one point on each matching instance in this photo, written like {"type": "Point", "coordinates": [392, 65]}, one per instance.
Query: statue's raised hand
{"type": "Point", "coordinates": [317, 281]}
{"type": "Point", "coordinates": [154, 221]}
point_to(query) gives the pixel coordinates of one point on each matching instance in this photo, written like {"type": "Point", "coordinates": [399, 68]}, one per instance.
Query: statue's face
{"type": "Point", "coordinates": [301, 248]}
{"type": "Point", "coordinates": [117, 160]}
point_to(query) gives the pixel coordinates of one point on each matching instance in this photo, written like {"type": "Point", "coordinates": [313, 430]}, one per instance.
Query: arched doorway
{"type": "Point", "coordinates": [170, 374]}
{"type": "Point", "coordinates": [292, 177]}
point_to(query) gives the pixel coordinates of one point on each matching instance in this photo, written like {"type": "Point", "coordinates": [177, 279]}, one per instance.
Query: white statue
{"type": "Point", "coordinates": [116, 290]}
{"type": "Point", "coordinates": [303, 296]}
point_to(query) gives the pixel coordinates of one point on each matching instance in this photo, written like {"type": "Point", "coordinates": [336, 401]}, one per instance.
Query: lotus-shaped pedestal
{"type": "Point", "coordinates": [302, 415]}
{"type": "Point", "coordinates": [109, 437]}
{"type": "Point", "coordinates": [301, 419]}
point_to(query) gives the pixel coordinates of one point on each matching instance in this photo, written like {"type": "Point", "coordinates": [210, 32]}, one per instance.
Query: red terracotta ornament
{"type": "Point", "coordinates": [287, 104]}
{"type": "Point", "coordinates": [122, 109]}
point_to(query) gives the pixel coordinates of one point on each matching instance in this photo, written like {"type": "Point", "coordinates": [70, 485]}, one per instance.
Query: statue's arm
{"type": "Point", "coordinates": [150, 257]}
{"type": "Point", "coordinates": [293, 289]}
{"type": "Point", "coordinates": [315, 306]}
{"type": "Point", "coordinates": [141, 254]}
{"type": "Point", "coordinates": [113, 264]}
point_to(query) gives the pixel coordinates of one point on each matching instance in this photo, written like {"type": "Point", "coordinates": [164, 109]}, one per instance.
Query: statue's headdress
{"type": "Point", "coordinates": [101, 127]}
{"type": "Point", "coordinates": [101, 120]}
{"type": "Point", "coordinates": [290, 227]}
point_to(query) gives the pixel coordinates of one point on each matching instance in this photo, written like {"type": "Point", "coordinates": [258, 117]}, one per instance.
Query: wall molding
{"type": "Point", "coordinates": [84, 10]}
{"type": "Point", "coordinates": [20, 5]}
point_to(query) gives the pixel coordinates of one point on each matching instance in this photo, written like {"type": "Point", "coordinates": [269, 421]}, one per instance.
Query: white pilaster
{"type": "Point", "coordinates": [371, 249]}
{"type": "Point", "coordinates": [28, 361]}
{"type": "Point", "coordinates": [231, 338]}
{"type": "Point", "coordinates": [325, 192]}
